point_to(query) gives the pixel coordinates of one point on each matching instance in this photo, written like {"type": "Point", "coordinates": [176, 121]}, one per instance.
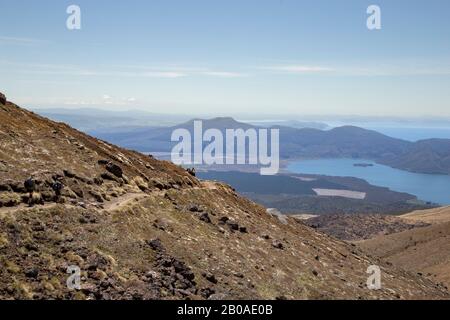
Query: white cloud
{"type": "Point", "coordinates": [162, 74]}
{"type": "Point", "coordinates": [392, 69]}
{"type": "Point", "coordinates": [298, 69]}
{"type": "Point", "coordinates": [170, 71]}
{"type": "Point", "coordinates": [223, 74]}
{"type": "Point", "coordinates": [370, 70]}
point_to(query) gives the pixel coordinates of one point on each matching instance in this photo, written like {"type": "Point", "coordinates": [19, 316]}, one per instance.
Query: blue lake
{"type": "Point", "coordinates": [427, 187]}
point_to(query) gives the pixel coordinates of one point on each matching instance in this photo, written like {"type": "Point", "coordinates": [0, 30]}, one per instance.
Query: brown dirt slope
{"type": "Point", "coordinates": [422, 250]}
{"type": "Point", "coordinates": [139, 228]}
{"type": "Point", "coordinates": [438, 215]}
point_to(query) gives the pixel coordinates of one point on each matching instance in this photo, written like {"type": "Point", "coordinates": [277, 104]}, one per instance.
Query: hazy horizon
{"type": "Point", "coordinates": [331, 119]}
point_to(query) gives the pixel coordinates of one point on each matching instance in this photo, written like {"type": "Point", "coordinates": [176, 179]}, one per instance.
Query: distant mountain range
{"type": "Point", "coordinates": [430, 156]}
{"type": "Point", "coordinates": [290, 123]}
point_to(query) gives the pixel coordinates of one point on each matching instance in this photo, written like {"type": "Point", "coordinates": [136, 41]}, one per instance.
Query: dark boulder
{"type": "Point", "coordinates": [69, 174]}
{"type": "Point", "coordinates": [210, 277]}
{"type": "Point", "coordinates": [207, 292]}
{"type": "Point", "coordinates": [114, 169]}
{"type": "Point", "coordinates": [32, 273]}
{"type": "Point", "coordinates": [224, 220]}
{"type": "Point", "coordinates": [5, 187]}
{"type": "Point", "coordinates": [98, 181]}
{"type": "Point", "coordinates": [243, 230]}
{"type": "Point", "coordinates": [205, 217]}
{"type": "Point", "coordinates": [16, 186]}
{"type": "Point", "coordinates": [2, 99]}
{"type": "Point", "coordinates": [97, 196]}
{"type": "Point", "coordinates": [108, 176]}
{"type": "Point", "coordinates": [194, 208]}
{"type": "Point", "coordinates": [156, 245]}
{"type": "Point", "coordinates": [233, 225]}
{"type": "Point", "coordinates": [76, 189]}
{"type": "Point", "coordinates": [159, 184]}
{"type": "Point", "coordinates": [277, 244]}
{"type": "Point", "coordinates": [191, 171]}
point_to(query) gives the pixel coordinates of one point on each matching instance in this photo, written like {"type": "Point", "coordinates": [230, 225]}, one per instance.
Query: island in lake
{"type": "Point", "coordinates": [363, 165]}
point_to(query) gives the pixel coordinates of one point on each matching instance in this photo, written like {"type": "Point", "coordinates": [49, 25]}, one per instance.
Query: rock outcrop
{"type": "Point", "coordinates": [2, 99]}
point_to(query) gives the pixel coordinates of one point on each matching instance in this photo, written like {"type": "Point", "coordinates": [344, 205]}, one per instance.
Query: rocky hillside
{"type": "Point", "coordinates": [353, 227]}
{"type": "Point", "coordinates": [139, 228]}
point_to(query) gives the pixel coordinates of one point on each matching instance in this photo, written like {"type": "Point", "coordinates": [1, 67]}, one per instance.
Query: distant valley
{"type": "Point", "coordinates": [294, 194]}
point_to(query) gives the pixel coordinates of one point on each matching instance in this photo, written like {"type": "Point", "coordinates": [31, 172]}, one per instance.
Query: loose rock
{"type": "Point", "coordinates": [114, 169]}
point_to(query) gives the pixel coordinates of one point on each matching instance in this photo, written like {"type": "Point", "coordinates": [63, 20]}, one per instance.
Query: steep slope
{"type": "Point", "coordinates": [143, 229]}
{"type": "Point", "coordinates": [423, 250]}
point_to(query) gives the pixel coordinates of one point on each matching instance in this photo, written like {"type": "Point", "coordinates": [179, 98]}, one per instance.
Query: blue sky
{"type": "Point", "coordinates": [237, 56]}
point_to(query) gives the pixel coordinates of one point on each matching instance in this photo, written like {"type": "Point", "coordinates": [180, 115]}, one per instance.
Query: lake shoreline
{"type": "Point", "coordinates": [429, 188]}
